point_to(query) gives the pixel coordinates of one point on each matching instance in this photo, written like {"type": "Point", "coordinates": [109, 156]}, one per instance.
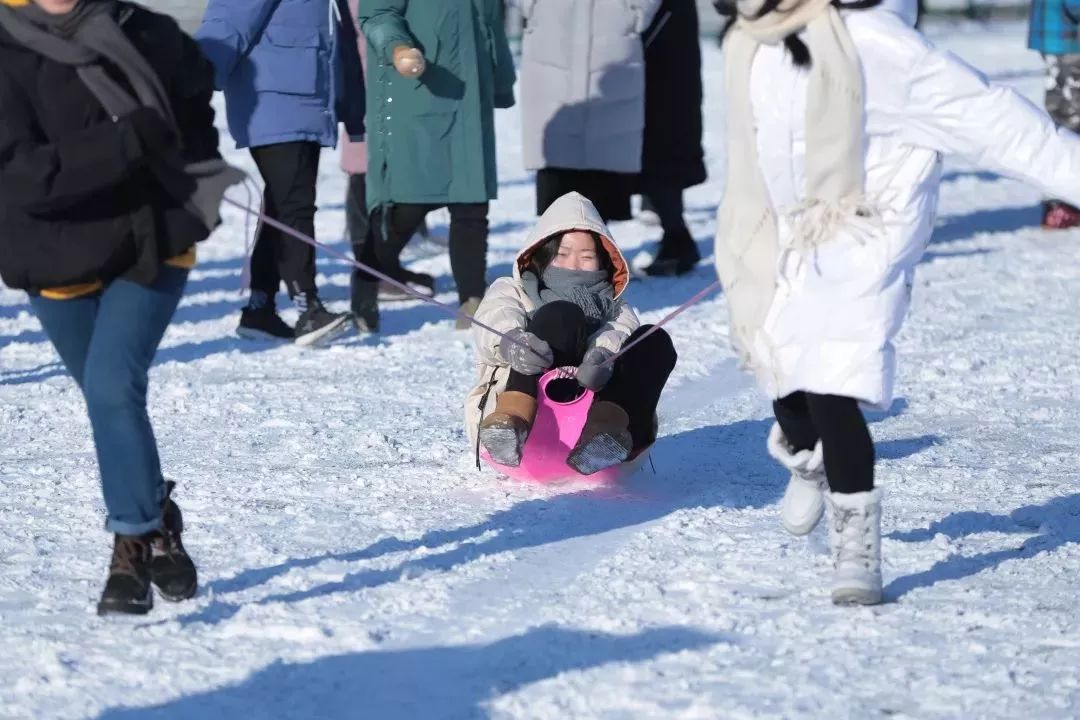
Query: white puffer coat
{"type": "Point", "coordinates": [831, 325]}
{"type": "Point", "coordinates": [506, 306]}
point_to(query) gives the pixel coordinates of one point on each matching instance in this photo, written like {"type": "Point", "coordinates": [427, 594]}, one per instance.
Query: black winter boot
{"type": "Point", "coordinates": [678, 255]}
{"type": "Point", "coordinates": [365, 303]}
{"type": "Point", "coordinates": [128, 591]}
{"type": "Point", "coordinates": [171, 569]}
{"type": "Point", "coordinates": [316, 324]}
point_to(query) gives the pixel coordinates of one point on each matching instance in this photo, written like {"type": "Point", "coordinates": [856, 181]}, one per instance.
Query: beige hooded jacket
{"type": "Point", "coordinates": [506, 305]}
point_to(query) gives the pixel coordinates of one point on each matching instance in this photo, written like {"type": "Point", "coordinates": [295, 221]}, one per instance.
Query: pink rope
{"type": "Point", "coordinates": [665, 320]}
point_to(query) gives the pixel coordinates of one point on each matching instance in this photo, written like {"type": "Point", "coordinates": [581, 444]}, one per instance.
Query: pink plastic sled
{"type": "Point", "coordinates": [554, 433]}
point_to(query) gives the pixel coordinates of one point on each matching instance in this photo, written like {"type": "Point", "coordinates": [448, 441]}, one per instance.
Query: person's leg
{"type": "Point", "coordinates": [265, 279]}
{"type": "Point", "coordinates": [468, 249]}
{"type": "Point", "coordinates": [290, 171]}
{"type": "Point", "coordinates": [793, 417]}
{"type": "Point", "coordinates": [846, 444]}
{"type": "Point", "coordinates": [638, 380]}
{"type": "Point", "coordinates": [131, 321]}
{"type": "Point", "coordinates": [565, 328]}
{"type": "Point", "coordinates": [678, 252]}
{"type": "Point", "coordinates": [69, 325]}
{"type": "Point", "coordinates": [363, 287]}
{"type": "Point", "coordinates": [393, 228]}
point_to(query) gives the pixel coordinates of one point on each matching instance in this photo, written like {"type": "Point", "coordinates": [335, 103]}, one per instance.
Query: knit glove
{"type": "Point", "coordinates": [531, 360]}
{"type": "Point", "coordinates": [409, 61]}
{"type": "Point", "coordinates": [592, 373]}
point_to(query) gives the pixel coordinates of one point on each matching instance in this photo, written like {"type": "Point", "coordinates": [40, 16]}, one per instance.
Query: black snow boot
{"type": "Point", "coordinates": [678, 255]}
{"type": "Point", "coordinates": [171, 569]}
{"type": "Point", "coordinates": [317, 324]}
{"type": "Point", "coordinates": [365, 303]}
{"type": "Point", "coordinates": [263, 323]}
{"type": "Point", "coordinates": [128, 591]}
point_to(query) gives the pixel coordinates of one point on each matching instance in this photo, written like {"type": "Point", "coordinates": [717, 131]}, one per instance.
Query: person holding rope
{"type": "Point", "coordinates": [564, 307]}
{"type": "Point", "coordinates": [838, 116]}
{"type": "Point", "coordinates": [291, 73]}
{"type": "Point", "coordinates": [109, 176]}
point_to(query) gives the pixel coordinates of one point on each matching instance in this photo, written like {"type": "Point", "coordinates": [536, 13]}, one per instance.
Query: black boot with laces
{"type": "Point", "coordinates": [171, 569]}
{"type": "Point", "coordinates": [128, 591]}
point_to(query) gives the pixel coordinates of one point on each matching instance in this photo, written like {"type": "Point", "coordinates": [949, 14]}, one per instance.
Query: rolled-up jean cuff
{"type": "Point", "coordinates": [124, 528]}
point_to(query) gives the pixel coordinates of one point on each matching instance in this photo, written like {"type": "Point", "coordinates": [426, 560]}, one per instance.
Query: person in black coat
{"type": "Point", "coordinates": [672, 156]}
{"type": "Point", "coordinates": [109, 176]}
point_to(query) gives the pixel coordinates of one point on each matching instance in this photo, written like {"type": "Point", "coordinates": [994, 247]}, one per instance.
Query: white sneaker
{"type": "Point", "coordinates": [855, 541]}
{"type": "Point", "coordinates": [804, 500]}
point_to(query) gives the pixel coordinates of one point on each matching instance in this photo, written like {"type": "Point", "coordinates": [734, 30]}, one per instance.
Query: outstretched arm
{"type": "Point", "coordinates": [952, 108]}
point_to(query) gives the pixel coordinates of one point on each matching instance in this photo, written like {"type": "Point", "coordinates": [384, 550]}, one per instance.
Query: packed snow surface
{"type": "Point", "coordinates": [356, 565]}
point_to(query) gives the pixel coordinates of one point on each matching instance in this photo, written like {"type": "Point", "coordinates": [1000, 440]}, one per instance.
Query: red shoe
{"type": "Point", "coordinates": [1058, 215]}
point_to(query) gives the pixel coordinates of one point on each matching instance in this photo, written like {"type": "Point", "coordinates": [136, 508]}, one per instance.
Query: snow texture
{"type": "Point", "coordinates": [355, 565]}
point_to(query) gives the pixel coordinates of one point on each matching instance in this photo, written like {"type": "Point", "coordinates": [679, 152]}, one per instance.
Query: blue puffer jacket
{"type": "Point", "coordinates": [1055, 27]}
{"type": "Point", "coordinates": [289, 68]}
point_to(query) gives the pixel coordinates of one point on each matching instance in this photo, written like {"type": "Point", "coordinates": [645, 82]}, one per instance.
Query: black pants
{"type": "Point", "coordinates": [667, 203]}
{"type": "Point", "coordinates": [837, 421]}
{"type": "Point", "coordinates": [289, 171]}
{"type": "Point", "coordinates": [468, 242]}
{"type": "Point", "coordinates": [610, 192]}
{"type": "Point", "coordinates": [639, 376]}
{"type": "Point", "coordinates": [359, 229]}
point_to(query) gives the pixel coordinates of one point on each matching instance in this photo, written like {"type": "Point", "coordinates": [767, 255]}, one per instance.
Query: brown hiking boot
{"type": "Point", "coordinates": [503, 433]}
{"type": "Point", "coordinates": [128, 591]}
{"type": "Point", "coordinates": [605, 440]}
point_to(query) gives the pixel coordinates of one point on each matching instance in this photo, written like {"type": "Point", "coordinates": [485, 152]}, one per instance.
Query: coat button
{"type": "Point", "coordinates": [389, 100]}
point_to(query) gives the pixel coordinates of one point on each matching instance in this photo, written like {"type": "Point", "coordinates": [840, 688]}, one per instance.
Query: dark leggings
{"type": "Point", "coordinates": [667, 203]}
{"type": "Point", "coordinates": [845, 439]}
{"type": "Point", "coordinates": [639, 376]}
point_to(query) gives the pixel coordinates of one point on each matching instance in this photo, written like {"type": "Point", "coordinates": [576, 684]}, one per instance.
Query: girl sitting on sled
{"type": "Point", "coordinates": [563, 307]}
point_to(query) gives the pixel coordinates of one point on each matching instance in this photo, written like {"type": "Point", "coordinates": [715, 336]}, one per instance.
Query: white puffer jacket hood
{"type": "Point", "coordinates": [506, 305]}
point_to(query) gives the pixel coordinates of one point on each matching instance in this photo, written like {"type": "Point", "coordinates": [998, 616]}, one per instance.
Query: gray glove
{"type": "Point", "coordinates": [531, 360]}
{"type": "Point", "coordinates": [592, 373]}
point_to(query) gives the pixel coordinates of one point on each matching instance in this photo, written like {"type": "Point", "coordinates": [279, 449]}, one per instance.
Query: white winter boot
{"type": "Point", "coordinates": [804, 500]}
{"type": "Point", "coordinates": [855, 541]}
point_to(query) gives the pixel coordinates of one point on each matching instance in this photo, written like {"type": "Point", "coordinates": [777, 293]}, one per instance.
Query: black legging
{"type": "Point", "coordinates": [639, 375]}
{"type": "Point", "coordinates": [837, 421]}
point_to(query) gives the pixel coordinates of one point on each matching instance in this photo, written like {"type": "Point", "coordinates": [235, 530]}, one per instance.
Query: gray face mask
{"type": "Point", "coordinates": [590, 290]}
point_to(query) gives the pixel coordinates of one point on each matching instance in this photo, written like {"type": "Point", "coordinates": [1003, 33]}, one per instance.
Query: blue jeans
{"type": "Point", "coordinates": [107, 342]}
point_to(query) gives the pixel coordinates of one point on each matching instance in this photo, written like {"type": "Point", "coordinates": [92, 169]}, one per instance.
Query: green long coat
{"type": "Point", "coordinates": [431, 139]}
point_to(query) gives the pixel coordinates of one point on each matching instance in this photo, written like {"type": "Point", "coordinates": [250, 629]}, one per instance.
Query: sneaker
{"type": "Point", "coordinates": [172, 570]}
{"type": "Point", "coordinates": [263, 323]}
{"type": "Point", "coordinates": [1059, 215]}
{"type": "Point", "coordinates": [678, 255]}
{"type": "Point", "coordinates": [469, 307]}
{"type": "Point", "coordinates": [128, 590]}
{"type": "Point", "coordinates": [804, 499]}
{"type": "Point", "coordinates": [365, 304]}
{"type": "Point", "coordinates": [503, 433]}
{"type": "Point", "coordinates": [317, 324]}
{"type": "Point", "coordinates": [855, 543]}
{"type": "Point", "coordinates": [605, 440]}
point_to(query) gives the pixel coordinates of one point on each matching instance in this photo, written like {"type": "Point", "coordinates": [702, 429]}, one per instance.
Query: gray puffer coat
{"type": "Point", "coordinates": [583, 83]}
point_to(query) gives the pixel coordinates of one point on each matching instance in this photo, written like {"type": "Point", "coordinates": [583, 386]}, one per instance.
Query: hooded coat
{"type": "Point", "coordinates": [431, 139]}
{"type": "Point", "coordinates": [507, 306]}
{"type": "Point", "coordinates": [837, 308]}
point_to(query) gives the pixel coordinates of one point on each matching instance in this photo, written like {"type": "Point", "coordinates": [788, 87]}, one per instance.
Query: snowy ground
{"type": "Point", "coordinates": [355, 565]}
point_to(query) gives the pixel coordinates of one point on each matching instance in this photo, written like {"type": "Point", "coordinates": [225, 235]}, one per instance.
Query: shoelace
{"type": "Point", "coordinates": [127, 554]}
